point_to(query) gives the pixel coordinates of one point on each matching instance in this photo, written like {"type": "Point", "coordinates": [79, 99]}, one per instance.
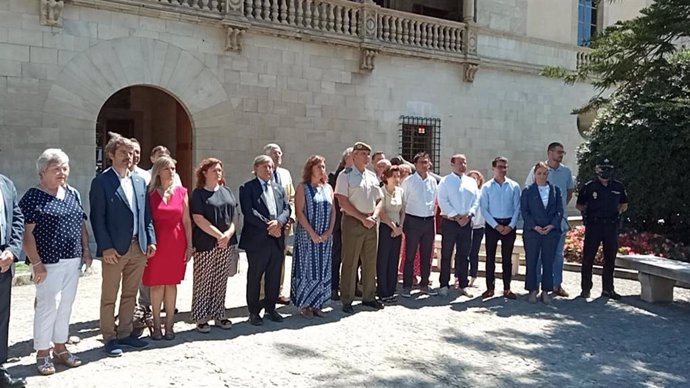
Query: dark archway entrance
{"type": "Point", "coordinates": [153, 117]}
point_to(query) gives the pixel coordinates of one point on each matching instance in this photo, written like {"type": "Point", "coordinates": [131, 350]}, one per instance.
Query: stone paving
{"type": "Point", "coordinates": [424, 341]}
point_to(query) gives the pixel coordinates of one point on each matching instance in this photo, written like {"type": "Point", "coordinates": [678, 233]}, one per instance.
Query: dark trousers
{"type": "Point", "coordinates": [538, 249]}
{"type": "Point", "coordinates": [419, 234]}
{"type": "Point", "coordinates": [507, 243]}
{"type": "Point", "coordinates": [477, 237]}
{"type": "Point", "coordinates": [387, 262]}
{"type": "Point", "coordinates": [5, 289]}
{"type": "Point", "coordinates": [596, 234]}
{"type": "Point", "coordinates": [459, 238]}
{"type": "Point", "coordinates": [336, 258]}
{"type": "Point", "coordinates": [266, 262]}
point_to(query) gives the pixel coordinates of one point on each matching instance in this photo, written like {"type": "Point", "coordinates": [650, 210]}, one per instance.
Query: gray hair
{"type": "Point", "coordinates": [270, 147]}
{"type": "Point", "coordinates": [261, 159]}
{"type": "Point", "coordinates": [51, 156]}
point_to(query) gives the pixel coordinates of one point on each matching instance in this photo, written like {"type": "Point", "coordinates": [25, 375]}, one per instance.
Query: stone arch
{"type": "Point", "coordinates": [92, 76]}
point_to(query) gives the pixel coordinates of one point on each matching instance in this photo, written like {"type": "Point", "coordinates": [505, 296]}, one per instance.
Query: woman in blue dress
{"type": "Point", "coordinates": [311, 263]}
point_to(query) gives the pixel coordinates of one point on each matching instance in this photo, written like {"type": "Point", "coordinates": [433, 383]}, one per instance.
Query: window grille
{"type": "Point", "coordinates": [419, 134]}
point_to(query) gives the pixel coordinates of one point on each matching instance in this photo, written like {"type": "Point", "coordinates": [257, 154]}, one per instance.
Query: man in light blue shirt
{"type": "Point", "coordinates": [560, 176]}
{"type": "Point", "coordinates": [500, 205]}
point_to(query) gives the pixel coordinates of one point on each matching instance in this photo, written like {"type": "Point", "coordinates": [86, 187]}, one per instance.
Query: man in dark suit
{"type": "Point", "coordinates": [122, 226]}
{"type": "Point", "coordinates": [11, 235]}
{"type": "Point", "coordinates": [266, 212]}
{"type": "Point", "coordinates": [336, 252]}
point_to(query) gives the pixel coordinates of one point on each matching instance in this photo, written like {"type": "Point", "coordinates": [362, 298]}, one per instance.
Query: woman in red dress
{"type": "Point", "coordinates": [173, 225]}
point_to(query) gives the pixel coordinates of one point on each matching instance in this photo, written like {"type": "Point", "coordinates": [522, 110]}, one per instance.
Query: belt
{"type": "Point", "coordinates": [503, 221]}
{"type": "Point", "coordinates": [418, 217]}
{"type": "Point", "coordinates": [447, 218]}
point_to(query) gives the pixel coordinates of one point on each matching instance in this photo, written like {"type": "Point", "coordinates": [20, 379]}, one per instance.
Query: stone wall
{"type": "Point", "coordinates": [307, 96]}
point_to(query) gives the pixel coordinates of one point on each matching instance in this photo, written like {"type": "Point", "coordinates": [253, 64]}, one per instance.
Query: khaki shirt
{"type": "Point", "coordinates": [361, 188]}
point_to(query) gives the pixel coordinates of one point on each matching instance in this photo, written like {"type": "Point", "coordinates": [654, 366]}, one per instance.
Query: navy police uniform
{"type": "Point", "coordinates": [602, 219]}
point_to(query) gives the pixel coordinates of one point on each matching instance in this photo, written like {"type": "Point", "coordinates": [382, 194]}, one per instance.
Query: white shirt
{"type": "Point", "coordinates": [128, 188]}
{"type": "Point", "coordinates": [458, 195]}
{"type": "Point", "coordinates": [419, 195]}
{"type": "Point", "coordinates": [544, 194]}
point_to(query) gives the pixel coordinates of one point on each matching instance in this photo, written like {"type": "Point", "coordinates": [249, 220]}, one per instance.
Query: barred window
{"type": "Point", "coordinates": [419, 134]}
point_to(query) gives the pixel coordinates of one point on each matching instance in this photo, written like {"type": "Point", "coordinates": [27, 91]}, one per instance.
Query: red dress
{"type": "Point", "coordinates": [167, 266]}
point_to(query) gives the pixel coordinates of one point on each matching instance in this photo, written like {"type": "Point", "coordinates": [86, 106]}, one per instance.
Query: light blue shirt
{"type": "Point", "coordinates": [500, 201]}
{"type": "Point", "coordinates": [2, 219]}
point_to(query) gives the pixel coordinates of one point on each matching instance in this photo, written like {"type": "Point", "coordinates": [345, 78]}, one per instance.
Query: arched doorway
{"type": "Point", "coordinates": [153, 117]}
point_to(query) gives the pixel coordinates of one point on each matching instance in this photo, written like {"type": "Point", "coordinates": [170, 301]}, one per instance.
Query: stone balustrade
{"type": "Point", "coordinates": [582, 58]}
{"type": "Point", "coordinates": [359, 23]}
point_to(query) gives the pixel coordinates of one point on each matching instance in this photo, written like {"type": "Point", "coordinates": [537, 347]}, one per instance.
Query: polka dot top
{"type": "Point", "coordinates": [57, 222]}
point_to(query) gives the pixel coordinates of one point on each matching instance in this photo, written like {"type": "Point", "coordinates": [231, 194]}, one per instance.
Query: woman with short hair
{"type": "Point", "coordinates": [215, 215]}
{"type": "Point", "coordinates": [56, 243]}
{"type": "Point", "coordinates": [390, 235]}
{"type": "Point", "coordinates": [173, 225]}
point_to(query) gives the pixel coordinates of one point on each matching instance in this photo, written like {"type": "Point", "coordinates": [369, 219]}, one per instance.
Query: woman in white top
{"type": "Point", "coordinates": [390, 235]}
{"type": "Point", "coordinates": [477, 233]}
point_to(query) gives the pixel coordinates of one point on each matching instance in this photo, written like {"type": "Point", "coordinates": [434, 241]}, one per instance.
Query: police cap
{"type": "Point", "coordinates": [359, 146]}
{"type": "Point", "coordinates": [605, 163]}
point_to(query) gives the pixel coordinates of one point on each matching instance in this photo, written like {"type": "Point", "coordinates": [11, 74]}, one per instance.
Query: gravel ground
{"type": "Point", "coordinates": [423, 341]}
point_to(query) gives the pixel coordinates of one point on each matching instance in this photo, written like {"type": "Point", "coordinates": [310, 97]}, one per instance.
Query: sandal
{"type": "Point", "coordinates": [169, 334]}
{"type": "Point", "coordinates": [156, 335]}
{"type": "Point", "coordinates": [44, 365]}
{"type": "Point", "coordinates": [67, 358]}
{"type": "Point", "coordinates": [203, 327]}
{"type": "Point", "coordinates": [307, 313]}
{"type": "Point", "coordinates": [319, 313]}
{"type": "Point", "coordinates": [223, 323]}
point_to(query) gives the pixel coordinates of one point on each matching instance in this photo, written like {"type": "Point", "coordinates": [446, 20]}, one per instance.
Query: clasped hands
{"type": "Point", "coordinates": [6, 260]}
{"type": "Point", "coordinates": [369, 222]}
{"type": "Point", "coordinates": [274, 228]}
{"type": "Point", "coordinates": [318, 239]}
{"type": "Point", "coordinates": [544, 230]}
{"type": "Point", "coordinates": [462, 220]}
{"type": "Point", "coordinates": [503, 229]}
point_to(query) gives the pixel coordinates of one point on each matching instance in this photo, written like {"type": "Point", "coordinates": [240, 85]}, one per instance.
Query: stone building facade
{"type": "Point", "coordinates": [223, 78]}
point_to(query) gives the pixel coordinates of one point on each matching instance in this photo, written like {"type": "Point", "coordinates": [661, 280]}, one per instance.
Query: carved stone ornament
{"type": "Point", "coordinates": [51, 12]}
{"type": "Point", "coordinates": [235, 5]}
{"type": "Point", "coordinates": [471, 41]}
{"type": "Point", "coordinates": [233, 39]}
{"type": "Point", "coordinates": [368, 57]}
{"type": "Point", "coordinates": [470, 71]}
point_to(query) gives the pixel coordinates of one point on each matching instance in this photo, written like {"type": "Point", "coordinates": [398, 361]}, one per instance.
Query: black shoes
{"type": "Point", "coordinates": [7, 381]}
{"type": "Point", "coordinates": [585, 294]}
{"type": "Point", "coordinates": [347, 309]}
{"type": "Point", "coordinates": [610, 294]}
{"type": "Point", "coordinates": [375, 304]}
{"type": "Point", "coordinates": [274, 316]}
{"type": "Point", "coordinates": [255, 320]}
{"type": "Point", "coordinates": [335, 295]}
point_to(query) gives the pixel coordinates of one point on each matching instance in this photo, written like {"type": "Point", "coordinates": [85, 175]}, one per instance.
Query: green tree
{"type": "Point", "coordinates": [643, 125]}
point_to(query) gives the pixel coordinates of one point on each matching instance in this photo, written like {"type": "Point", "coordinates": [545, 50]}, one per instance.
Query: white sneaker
{"type": "Point", "coordinates": [443, 291]}
{"type": "Point", "coordinates": [463, 292]}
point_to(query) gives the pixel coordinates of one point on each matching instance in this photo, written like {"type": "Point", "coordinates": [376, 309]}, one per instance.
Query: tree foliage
{"type": "Point", "coordinates": [643, 126]}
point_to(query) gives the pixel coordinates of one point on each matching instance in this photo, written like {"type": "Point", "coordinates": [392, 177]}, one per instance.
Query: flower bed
{"type": "Point", "coordinates": [628, 244]}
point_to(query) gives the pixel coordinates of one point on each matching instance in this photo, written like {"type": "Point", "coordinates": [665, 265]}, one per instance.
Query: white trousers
{"type": "Point", "coordinates": [54, 299]}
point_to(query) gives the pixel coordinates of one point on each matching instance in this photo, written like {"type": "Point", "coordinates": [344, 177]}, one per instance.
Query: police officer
{"type": "Point", "coordinates": [358, 193]}
{"type": "Point", "coordinates": [601, 202]}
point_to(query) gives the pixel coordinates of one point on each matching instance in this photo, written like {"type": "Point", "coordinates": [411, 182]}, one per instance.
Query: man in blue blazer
{"type": "Point", "coordinates": [11, 235]}
{"type": "Point", "coordinates": [122, 226]}
{"type": "Point", "coordinates": [266, 212]}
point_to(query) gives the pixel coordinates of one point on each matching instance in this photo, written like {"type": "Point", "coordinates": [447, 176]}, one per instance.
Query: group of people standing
{"type": "Point", "coordinates": [353, 226]}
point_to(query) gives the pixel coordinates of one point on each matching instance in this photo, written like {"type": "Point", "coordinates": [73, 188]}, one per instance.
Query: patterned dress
{"type": "Point", "coordinates": [311, 263]}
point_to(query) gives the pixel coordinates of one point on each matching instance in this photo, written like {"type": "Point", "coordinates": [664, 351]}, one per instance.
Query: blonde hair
{"type": "Point", "coordinates": [158, 165]}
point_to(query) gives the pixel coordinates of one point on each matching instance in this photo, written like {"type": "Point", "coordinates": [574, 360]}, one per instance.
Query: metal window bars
{"type": "Point", "coordinates": [419, 134]}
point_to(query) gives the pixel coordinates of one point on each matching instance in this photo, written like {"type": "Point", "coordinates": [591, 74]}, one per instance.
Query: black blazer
{"type": "Point", "coordinates": [14, 219]}
{"type": "Point", "coordinates": [534, 213]}
{"type": "Point", "coordinates": [254, 233]}
{"type": "Point", "coordinates": [111, 216]}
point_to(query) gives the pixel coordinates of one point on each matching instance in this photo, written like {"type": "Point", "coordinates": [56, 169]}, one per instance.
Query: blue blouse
{"type": "Point", "coordinates": [58, 223]}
